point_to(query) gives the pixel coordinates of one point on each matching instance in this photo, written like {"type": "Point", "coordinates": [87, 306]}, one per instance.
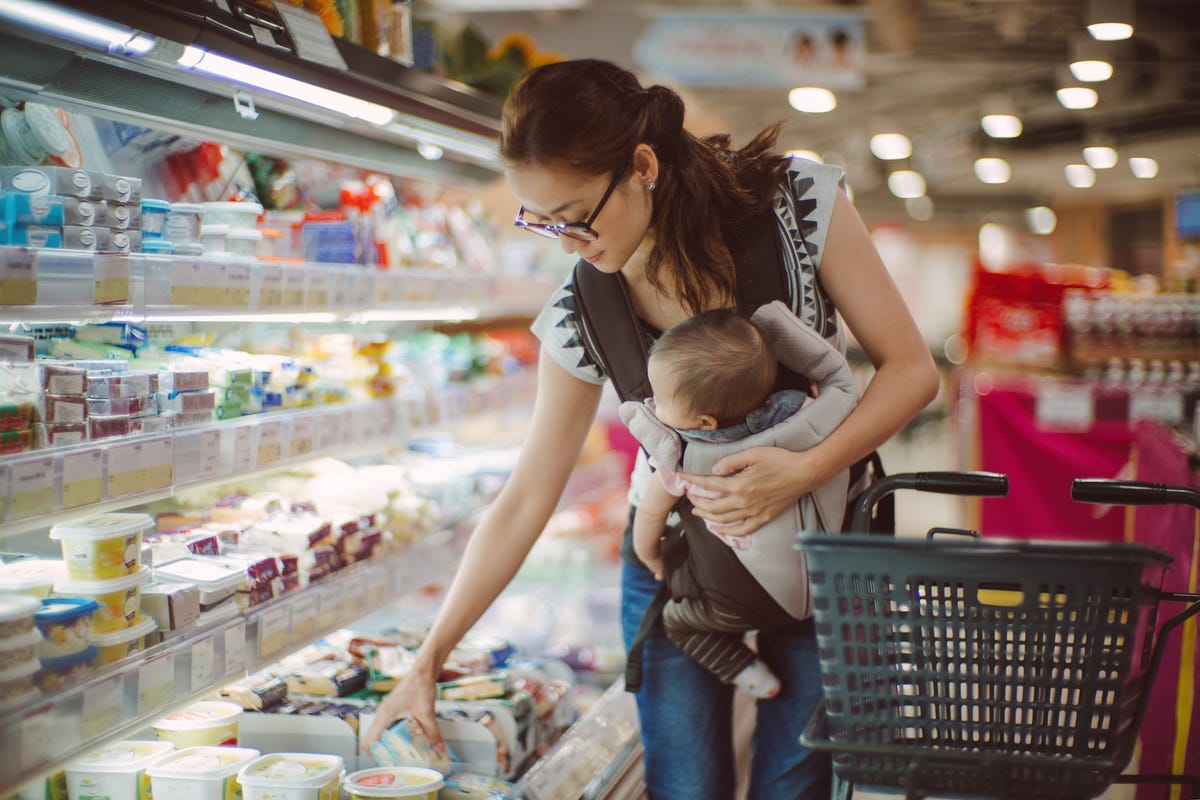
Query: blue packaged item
{"type": "Point", "coordinates": [34, 236]}
{"type": "Point", "coordinates": [159, 247]}
{"type": "Point", "coordinates": [33, 209]}
{"type": "Point", "coordinates": [154, 217]}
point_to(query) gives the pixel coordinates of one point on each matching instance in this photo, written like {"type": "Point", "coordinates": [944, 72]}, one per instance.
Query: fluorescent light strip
{"type": "Point", "coordinates": [448, 313]}
{"type": "Point", "coordinates": [151, 315]}
{"type": "Point", "coordinates": [219, 66]}
{"type": "Point", "coordinates": [83, 28]}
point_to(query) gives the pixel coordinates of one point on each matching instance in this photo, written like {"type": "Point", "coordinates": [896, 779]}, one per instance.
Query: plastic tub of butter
{"type": "Point", "coordinates": [292, 776]}
{"type": "Point", "coordinates": [411, 783]}
{"type": "Point", "coordinates": [31, 576]}
{"type": "Point", "coordinates": [102, 547]}
{"type": "Point", "coordinates": [16, 614]}
{"type": "Point", "coordinates": [65, 624]}
{"type": "Point", "coordinates": [117, 772]}
{"type": "Point", "coordinates": [121, 644]}
{"type": "Point", "coordinates": [59, 673]}
{"type": "Point", "coordinates": [119, 599]}
{"type": "Point", "coordinates": [199, 773]}
{"type": "Point", "coordinates": [207, 723]}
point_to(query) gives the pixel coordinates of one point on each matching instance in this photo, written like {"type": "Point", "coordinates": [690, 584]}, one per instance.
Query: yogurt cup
{"type": "Point", "coordinates": [122, 644]}
{"type": "Point", "coordinates": [208, 723]}
{"type": "Point", "coordinates": [182, 225]}
{"type": "Point", "coordinates": [116, 772]}
{"type": "Point", "coordinates": [200, 773]}
{"type": "Point", "coordinates": [292, 776]}
{"type": "Point", "coordinates": [31, 576]}
{"type": "Point", "coordinates": [65, 625]}
{"type": "Point", "coordinates": [234, 214]}
{"type": "Point", "coordinates": [119, 599]}
{"type": "Point", "coordinates": [154, 217]}
{"type": "Point", "coordinates": [413, 783]}
{"type": "Point", "coordinates": [243, 241]}
{"type": "Point", "coordinates": [59, 673]}
{"type": "Point", "coordinates": [16, 650]}
{"type": "Point", "coordinates": [104, 546]}
{"type": "Point", "coordinates": [16, 614]}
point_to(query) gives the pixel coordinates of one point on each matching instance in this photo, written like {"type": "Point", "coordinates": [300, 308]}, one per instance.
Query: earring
{"type": "Point", "coordinates": [651, 185]}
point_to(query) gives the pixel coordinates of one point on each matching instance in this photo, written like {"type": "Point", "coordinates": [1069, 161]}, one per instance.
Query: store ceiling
{"type": "Point", "coordinates": [929, 64]}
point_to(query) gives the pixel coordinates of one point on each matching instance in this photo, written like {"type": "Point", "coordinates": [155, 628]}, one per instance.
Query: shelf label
{"type": "Point", "coordinates": [103, 706]}
{"type": "Point", "coordinates": [312, 39]}
{"type": "Point", "coordinates": [324, 431]}
{"type": "Point", "coordinates": [44, 735]}
{"type": "Point", "coordinates": [111, 272]}
{"type": "Point", "coordinates": [363, 289]}
{"type": "Point", "coordinates": [302, 436]}
{"type": "Point", "coordinates": [237, 285]}
{"type": "Point", "coordinates": [235, 649]}
{"type": "Point", "coordinates": [82, 478]}
{"type": "Point", "coordinates": [193, 283]}
{"type": "Point", "coordinates": [202, 652]}
{"type": "Point", "coordinates": [327, 615]}
{"type": "Point", "coordinates": [293, 286]}
{"type": "Point", "coordinates": [339, 290]}
{"type": "Point", "coordinates": [156, 683]}
{"type": "Point", "coordinates": [304, 618]}
{"type": "Point", "coordinates": [270, 287]}
{"type": "Point", "coordinates": [32, 488]}
{"type": "Point", "coordinates": [342, 423]}
{"type": "Point", "coordinates": [125, 475]}
{"type": "Point", "coordinates": [1065, 408]}
{"type": "Point", "coordinates": [270, 442]}
{"type": "Point", "coordinates": [18, 277]}
{"type": "Point", "coordinates": [197, 456]}
{"type": "Point", "coordinates": [273, 631]}
{"type": "Point", "coordinates": [157, 463]}
{"type": "Point", "coordinates": [318, 289]}
{"type": "Point", "coordinates": [243, 449]}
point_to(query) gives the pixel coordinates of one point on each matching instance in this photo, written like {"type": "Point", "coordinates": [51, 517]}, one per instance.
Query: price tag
{"type": "Point", "coordinates": [293, 286]}
{"type": "Point", "coordinates": [270, 443]}
{"type": "Point", "coordinates": [273, 631]}
{"type": "Point", "coordinates": [324, 431]}
{"type": "Point", "coordinates": [304, 618]}
{"type": "Point", "coordinates": [344, 428]}
{"type": "Point", "coordinates": [312, 39]}
{"type": "Point", "coordinates": [197, 456]}
{"type": "Point", "coordinates": [18, 277]}
{"type": "Point", "coordinates": [235, 649]}
{"type": "Point", "coordinates": [82, 478]}
{"type": "Point", "coordinates": [157, 463]}
{"type": "Point", "coordinates": [270, 287]}
{"type": "Point", "coordinates": [243, 449]}
{"type": "Point", "coordinates": [339, 289]}
{"type": "Point", "coordinates": [318, 289]}
{"type": "Point", "coordinates": [362, 289]}
{"type": "Point", "coordinates": [191, 282]}
{"type": "Point", "coordinates": [44, 735]}
{"type": "Point", "coordinates": [111, 272]}
{"type": "Point", "coordinates": [301, 443]}
{"type": "Point", "coordinates": [202, 653]}
{"type": "Point", "coordinates": [156, 683]}
{"type": "Point", "coordinates": [1067, 408]}
{"type": "Point", "coordinates": [327, 614]}
{"type": "Point", "coordinates": [125, 475]}
{"type": "Point", "coordinates": [31, 490]}
{"type": "Point", "coordinates": [103, 706]}
{"type": "Point", "coordinates": [237, 285]}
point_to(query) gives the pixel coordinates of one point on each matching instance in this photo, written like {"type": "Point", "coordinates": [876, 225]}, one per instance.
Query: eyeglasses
{"type": "Point", "coordinates": [580, 231]}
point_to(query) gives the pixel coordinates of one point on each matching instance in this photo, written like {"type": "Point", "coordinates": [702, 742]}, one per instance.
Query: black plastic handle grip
{"type": "Point", "coordinates": [1131, 493]}
{"type": "Point", "coordinates": [976, 484]}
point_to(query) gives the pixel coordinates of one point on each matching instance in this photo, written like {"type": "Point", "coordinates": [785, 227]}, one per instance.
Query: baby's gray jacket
{"type": "Point", "coordinates": [772, 557]}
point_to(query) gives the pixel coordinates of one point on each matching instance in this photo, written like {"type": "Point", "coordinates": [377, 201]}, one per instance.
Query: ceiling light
{"type": "Point", "coordinates": [430, 151]}
{"type": "Point", "coordinates": [1100, 156]}
{"type": "Point", "coordinates": [997, 246]}
{"type": "Point", "coordinates": [1080, 176]}
{"type": "Point", "coordinates": [1078, 97]}
{"type": "Point", "coordinates": [1092, 71]}
{"type": "Point", "coordinates": [1143, 167]}
{"type": "Point", "coordinates": [1091, 61]}
{"type": "Point", "coordinates": [919, 208]}
{"type": "Point", "coordinates": [891, 146]}
{"type": "Point", "coordinates": [810, 155]}
{"type": "Point", "coordinates": [1110, 20]}
{"type": "Point", "coordinates": [906, 183]}
{"type": "Point", "coordinates": [992, 170]}
{"type": "Point", "coordinates": [812, 99]}
{"type": "Point", "coordinates": [83, 28]}
{"type": "Point", "coordinates": [1041, 220]}
{"type": "Point", "coordinates": [1001, 126]}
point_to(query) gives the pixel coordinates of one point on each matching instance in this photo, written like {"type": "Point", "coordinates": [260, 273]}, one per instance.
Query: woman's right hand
{"type": "Point", "coordinates": [413, 699]}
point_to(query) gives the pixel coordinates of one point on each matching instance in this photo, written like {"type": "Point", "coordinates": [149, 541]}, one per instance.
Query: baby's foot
{"type": "Point", "coordinates": [757, 680]}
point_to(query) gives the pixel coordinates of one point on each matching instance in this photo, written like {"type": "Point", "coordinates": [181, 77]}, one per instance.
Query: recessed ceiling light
{"type": "Point", "coordinates": [906, 183]}
{"type": "Point", "coordinates": [919, 208]}
{"type": "Point", "coordinates": [1100, 156]}
{"type": "Point", "coordinates": [1080, 176]}
{"type": "Point", "coordinates": [1001, 126]}
{"type": "Point", "coordinates": [891, 146]}
{"type": "Point", "coordinates": [1143, 167]}
{"type": "Point", "coordinates": [812, 99]}
{"type": "Point", "coordinates": [1041, 220]}
{"type": "Point", "coordinates": [1110, 20]}
{"type": "Point", "coordinates": [992, 170]}
{"type": "Point", "coordinates": [1091, 71]}
{"type": "Point", "coordinates": [1077, 97]}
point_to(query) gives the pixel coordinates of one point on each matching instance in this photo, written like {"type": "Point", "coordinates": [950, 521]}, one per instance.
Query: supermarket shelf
{"type": "Point", "coordinates": [128, 696]}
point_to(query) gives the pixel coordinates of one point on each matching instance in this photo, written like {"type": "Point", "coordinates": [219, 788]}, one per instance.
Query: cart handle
{"type": "Point", "coordinates": [977, 484]}
{"type": "Point", "coordinates": [1132, 493]}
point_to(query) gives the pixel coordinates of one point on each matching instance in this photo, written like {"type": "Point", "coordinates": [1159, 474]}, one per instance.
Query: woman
{"type": "Point", "coordinates": [606, 167]}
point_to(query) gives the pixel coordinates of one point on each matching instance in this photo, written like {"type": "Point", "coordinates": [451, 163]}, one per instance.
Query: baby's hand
{"type": "Point", "coordinates": [655, 565]}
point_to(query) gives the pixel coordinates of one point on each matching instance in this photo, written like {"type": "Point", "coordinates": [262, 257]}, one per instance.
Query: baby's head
{"type": "Point", "coordinates": [711, 370]}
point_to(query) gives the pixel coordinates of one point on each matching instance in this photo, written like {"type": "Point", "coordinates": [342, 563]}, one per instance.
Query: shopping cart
{"type": "Point", "coordinates": [987, 668]}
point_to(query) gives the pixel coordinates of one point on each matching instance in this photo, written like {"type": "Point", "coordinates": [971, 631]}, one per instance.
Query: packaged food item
{"type": "Point", "coordinates": [115, 772]}
{"type": "Point", "coordinates": [217, 579]}
{"type": "Point", "coordinates": [256, 693]}
{"type": "Point", "coordinates": [16, 614]}
{"type": "Point", "coordinates": [59, 673]}
{"type": "Point", "coordinates": [173, 606]}
{"type": "Point", "coordinates": [119, 599]}
{"type": "Point", "coordinates": [50, 180]}
{"type": "Point", "coordinates": [32, 209]}
{"type": "Point", "coordinates": [234, 214]}
{"type": "Point", "coordinates": [405, 745]}
{"type": "Point", "coordinates": [121, 644]}
{"type": "Point", "coordinates": [243, 242]}
{"type": "Point", "coordinates": [475, 687]}
{"type": "Point", "coordinates": [104, 546]}
{"type": "Point", "coordinates": [18, 681]}
{"type": "Point", "coordinates": [291, 776]}
{"type": "Point", "coordinates": [465, 786]}
{"type": "Point", "coordinates": [16, 650]}
{"type": "Point", "coordinates": [182, 225]}
{"type": "Point", "coordinates": [154, 218]}
{"type": "Point", "coordinates": [203, 724]}
{"type": "Point", "coordinates": [381, 783]}
{"type": "Point", "coordinates": [200, 773]}
{"type": "Point", "coordinates": [65, 625]}
{"type": "Point", "coordinates": [328, 679]}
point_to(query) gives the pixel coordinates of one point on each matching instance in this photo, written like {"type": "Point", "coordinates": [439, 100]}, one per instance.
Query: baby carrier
{"type": "Point", "coordinates": [614, 337]}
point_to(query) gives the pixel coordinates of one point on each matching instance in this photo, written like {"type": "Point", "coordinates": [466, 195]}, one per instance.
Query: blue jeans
{"type": "Point", "coordinates": [686, 713]}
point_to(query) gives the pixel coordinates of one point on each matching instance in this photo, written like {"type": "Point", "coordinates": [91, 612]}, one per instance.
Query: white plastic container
{"type": "Point", "coordinates": [243, 242]}
{"type": "Point", "coordinates": [217, 579]}
{"type": "Point", "coordinates": [116, 772]}
{"type": "Point", "coordinates": [384, 783]}
{"type": "Point", "coordinates": [215, 238]}
{"type": "Point", "coordinates": [182, 225]}
{"type": "Point", "coordinates": [292, 776]}
{"type": "Point", "coordinates": [17, 650]}
{"type": "Point", "coordinates": [31, 576]}
{"type": "Point", "coordinates": [102, 547]}
{"type": "Point", "coordinates": [200, 773]}
{"type": "Point", "coordinates": [235, 215]}
{"type": "Point", "coordinates": [121, 644]}
{"type": "Point", "coordinates": [119, 599]}
{"type": "Point", "coordinates": [209, 723]}
{"type": "Point", "coordinates": [16, 614]}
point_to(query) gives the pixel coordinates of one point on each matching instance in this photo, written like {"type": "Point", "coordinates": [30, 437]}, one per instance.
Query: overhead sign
{"type": "Point", "coordinates": [745, 49]}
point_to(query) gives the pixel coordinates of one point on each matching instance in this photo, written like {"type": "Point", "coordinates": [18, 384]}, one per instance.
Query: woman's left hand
{"type": "Point", "coordinates": [751, 488]}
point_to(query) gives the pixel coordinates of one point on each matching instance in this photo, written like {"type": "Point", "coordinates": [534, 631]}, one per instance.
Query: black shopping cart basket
{"type": "Point", "coordinates": [992, 668]}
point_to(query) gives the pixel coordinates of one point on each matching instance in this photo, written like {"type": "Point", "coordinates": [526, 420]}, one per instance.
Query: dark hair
{"type": "Point", "coordinates": [589, 115]}
{"type": "Point", "coordinates": [722, 363]}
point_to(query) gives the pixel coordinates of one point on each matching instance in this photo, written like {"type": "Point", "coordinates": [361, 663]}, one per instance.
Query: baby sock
{"type": "Point", "coordinates": [757, 680]}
